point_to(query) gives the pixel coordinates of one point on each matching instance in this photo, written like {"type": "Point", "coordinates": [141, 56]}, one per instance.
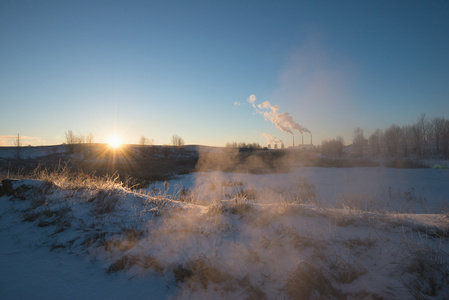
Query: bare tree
{"type": "Point", "coordinates": [70, 140]}
{"type": "Point", "coordinates": [81, 139]}
{"type": "Point", "coordinates": [70, 137]}
{"type": "Point", "coordinates": [177, 141]}
{"type": "Point", "coordinates": [421, 136]}
{"type": "Point", "coordinates": [437, 133]}
{"type": "Point", "coordinates": [413, 135]}
{"type": "Point", "coordinates": [416, 138]}
{"type": "Point", "coordinates": [90, 138]}
{"type": "Point", "coordinates": [143, 141]}
{"type": "Point", "coordinates": [446, 139]}
{"type": "Point", "coordinates": [144, 146]}
{"type": "Point", "coordinates": [333, 147]}
{"type": "Point", "coordinates": [375, 142]}
{"type": "Point", "coordinates": [392, 137]}
{"type": "Point", "coordinates": [359, 140]}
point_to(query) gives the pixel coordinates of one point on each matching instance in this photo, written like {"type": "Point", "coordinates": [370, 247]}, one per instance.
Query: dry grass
{"type": "Point", "coordinates": [65, 178]}
{"type": "Point", "coordinates": [346, 270]}
{"type": "Point", "coordinates": [300, 191]}
{"type": "Point", "coordinates": [246, 194]}
{"type": "Point", "coordinates": [362, 202]}
{"type": "Point", "coordinates": [106, 201]}
{"type": "Point", "coordinates": [123, 263]}
{"type": "Point", "coordinates": [251, 291]}
{"type": "Point", "coordinates": [425, 257]}
{"type": "Point", "coordinates": [200, 271]}
{"type": "Point", "coordinates": [127, 261]}
{"type": "Point", "coordinates": [309, 281]}
{"type": "Point", "coordinates": [47, 216]}
{"type": "Point", "coordinates": [236, 207]}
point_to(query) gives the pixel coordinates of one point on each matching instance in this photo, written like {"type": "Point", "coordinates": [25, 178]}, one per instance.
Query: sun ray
{"type": "Point", "coordinates": [115, 142]}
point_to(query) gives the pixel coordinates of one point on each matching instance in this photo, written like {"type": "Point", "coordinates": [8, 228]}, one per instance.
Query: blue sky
{"type": "Point", "coordinates": [158, 68]}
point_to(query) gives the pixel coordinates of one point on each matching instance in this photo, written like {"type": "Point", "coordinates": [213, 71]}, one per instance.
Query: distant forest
{"type": "Point", "coordinates": [424, 139]}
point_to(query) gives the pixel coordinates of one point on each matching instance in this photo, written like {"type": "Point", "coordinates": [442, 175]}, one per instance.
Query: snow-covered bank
{"type": "Point", "coordinates": [31, 272]}
{"type": "Point", "coordinates": [108, 242]}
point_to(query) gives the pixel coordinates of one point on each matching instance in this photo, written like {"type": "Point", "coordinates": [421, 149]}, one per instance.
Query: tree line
{"type": "Point", "coordinates": [72, 139]}
{"type": "Point", "coordinates": [243, 145]}
{"type": "Point", "coordinates": [423, 139]}
{"type": "Point", "coordinates": [175, 141]}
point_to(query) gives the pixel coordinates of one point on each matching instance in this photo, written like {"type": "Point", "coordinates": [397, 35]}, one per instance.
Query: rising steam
{"type": "Point", "coordinates": [272, 139]}
{"type": "Point", "coordinates": [283, 121]}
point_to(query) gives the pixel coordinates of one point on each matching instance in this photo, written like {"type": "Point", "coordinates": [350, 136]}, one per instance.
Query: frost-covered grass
{"type": "Point", "coordinates": [230, 236]}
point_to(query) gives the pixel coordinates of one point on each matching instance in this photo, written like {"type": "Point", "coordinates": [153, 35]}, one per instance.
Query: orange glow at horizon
{"type": "Point", "coordinates": [115, 142]}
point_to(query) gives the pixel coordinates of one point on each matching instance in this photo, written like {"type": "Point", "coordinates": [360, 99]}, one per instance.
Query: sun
{"type": "Point", "coordinates": [115, 142]}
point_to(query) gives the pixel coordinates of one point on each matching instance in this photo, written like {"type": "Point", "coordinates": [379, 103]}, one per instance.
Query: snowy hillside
{"type": "Point", "coordinates": [310, 234]}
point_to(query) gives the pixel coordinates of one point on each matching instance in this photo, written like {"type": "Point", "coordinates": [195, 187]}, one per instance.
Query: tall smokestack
{"type": "Point", "coordinates": [302, 137]}
{"type": "Point", "coordinates": [293, 140]}
{"type": "Point", "coordinates": [311, 139]}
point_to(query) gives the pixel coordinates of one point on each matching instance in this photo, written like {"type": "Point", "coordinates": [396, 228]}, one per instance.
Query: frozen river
{"type": "Point", "coordinates": [398, 190]}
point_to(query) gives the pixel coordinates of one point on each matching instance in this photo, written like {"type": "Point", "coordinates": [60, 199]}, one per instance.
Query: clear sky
{"type": "Point", "coordinates": [158, 68]}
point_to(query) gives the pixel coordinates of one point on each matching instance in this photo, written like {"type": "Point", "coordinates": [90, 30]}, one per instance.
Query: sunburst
{"type": "Point", "coordinates": [115, 142]}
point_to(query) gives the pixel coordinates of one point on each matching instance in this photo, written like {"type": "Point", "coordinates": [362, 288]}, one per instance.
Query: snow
{"type": "Point", "coordinates": [32, 152]}
{"type": "Point", "coordinates": [36, 273]}
{"type": "Point", "coordinates": [394, 190]}
{"type": "Point", "coordinates": [362, 230]}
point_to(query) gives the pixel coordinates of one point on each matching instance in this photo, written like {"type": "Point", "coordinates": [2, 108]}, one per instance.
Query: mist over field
{"type": "Point", "coordinates": [224, 149]}
{"type": "Point", "coordinates": [235, 223]}
{"type": "Point", "coordinates": [361, 220]}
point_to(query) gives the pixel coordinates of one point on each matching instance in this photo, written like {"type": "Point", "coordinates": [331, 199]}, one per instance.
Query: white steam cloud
{"type": "Point", "coordinates": [252, 99]}
{"type": "Point", "coordinates": [283, 121]}
{"type": "Point", "coordinates": [272, 139]}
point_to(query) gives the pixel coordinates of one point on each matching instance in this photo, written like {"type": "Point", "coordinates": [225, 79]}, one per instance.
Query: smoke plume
{"type": "Point", "coordinates": [252, 99]}
{"type": "Point", "coordinates": [283, 121]}
{"type": "Point", "coordinates": [272, 139]}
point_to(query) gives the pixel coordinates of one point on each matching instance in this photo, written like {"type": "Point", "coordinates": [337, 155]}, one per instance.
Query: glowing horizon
{"type": "Point", "coordinates": [115, 142]}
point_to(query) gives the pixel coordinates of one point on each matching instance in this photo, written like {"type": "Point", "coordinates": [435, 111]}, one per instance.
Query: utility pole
{"type": "Point", "coordinates": [18, 146]}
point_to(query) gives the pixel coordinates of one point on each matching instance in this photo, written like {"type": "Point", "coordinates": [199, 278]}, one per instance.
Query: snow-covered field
{"type": "Point", "coordinates": [32, 152]}
{"type": "Point", "coordinates": [389, 190]}
{"type": "Point", "coordinates": [313, 233]}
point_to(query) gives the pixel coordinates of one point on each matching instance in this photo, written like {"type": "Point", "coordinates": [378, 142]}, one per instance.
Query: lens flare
{"type": "Point", "coordinates": [115, 142]}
